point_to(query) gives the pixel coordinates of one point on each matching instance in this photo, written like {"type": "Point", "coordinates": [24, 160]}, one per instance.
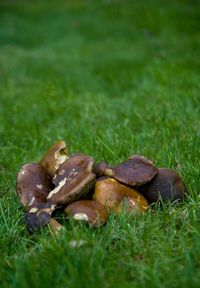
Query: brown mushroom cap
{"type": "Point", "coordinates": [73, 179]}
{"type": "Point", "coordinates": [33, 185]}
{"type": "Point", "coordinates": [135, 171]}
{"type": "Point", "coordinates": [90, 211]}
{"type": "Point", "coordinates": [167, 185]}
{"type": "Point", "coordinates": [38, 217]}
{"type": "Point", "coordinates": [115, 195]}
{"type": "Point", "coordinates": [54, 157]}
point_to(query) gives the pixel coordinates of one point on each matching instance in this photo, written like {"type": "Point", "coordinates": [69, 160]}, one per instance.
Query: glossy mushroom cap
{"type": "Point", "coordinates": [114, 195]}
{"type": "Point", "coordinates": [90, 211]}
{"type": "Point", "coordinates": [135, 171]}
{"type": "Point", "coordinates": [73, 179]}
{"type": "Point", "coordinates": [33, 186]}
{"type": "Point", "coordinates": [167, 185]}
{"type": "Point", "coordinates": [54, 157]}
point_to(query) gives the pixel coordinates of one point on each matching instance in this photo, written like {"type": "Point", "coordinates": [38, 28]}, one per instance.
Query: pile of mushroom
{"type": "Point", "coordinates": [89, 192]}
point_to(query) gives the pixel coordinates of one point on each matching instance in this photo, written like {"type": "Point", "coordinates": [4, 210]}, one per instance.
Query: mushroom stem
{"type": "Point", "coordinates": [55, 227]}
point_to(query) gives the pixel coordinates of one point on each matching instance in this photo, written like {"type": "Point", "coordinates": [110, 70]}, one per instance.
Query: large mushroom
{"type": "Point", "coordinates": [114, 196]}
{"type": "Point", "coordinates": [73, 179]}
{"type": "Point", "coordinates": [166, 186]}
{"type": "Point", "coordinates": [55, 156]}
{"type": "Point", "coordinates": [135, 171]}
{"type": "Point", "coordinates": [89, 211]}
{"type": "Point", "coordinates": [33, 186]}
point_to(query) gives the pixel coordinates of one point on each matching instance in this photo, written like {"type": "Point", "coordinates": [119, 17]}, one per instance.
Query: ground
{"type": "Point", "coordinates": [112, 79]}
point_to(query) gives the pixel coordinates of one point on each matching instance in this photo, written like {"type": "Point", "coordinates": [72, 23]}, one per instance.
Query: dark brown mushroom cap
{"type": "Point", "coordinates": [73, 179]}
{"type": "Point", "coordinates": [114, 195]}
{"type": "Point", "coordinates": [54, 157]}
{"type": "Point", "coordinates": [33, 185]}
{"type": "Point", "coordinates": [90, 211]}
{"type": "Point", "coordinates": [39, 216]}
{"type": "Point", "coordinates": [136, 171]}
{"type": "Point", "coordinates": [167, 185]}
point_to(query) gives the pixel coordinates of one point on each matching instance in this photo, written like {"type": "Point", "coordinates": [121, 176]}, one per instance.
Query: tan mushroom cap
{"type": "Point", "coordinates": [55, 156]}
{"type": "Point", "coordinates": [33, 185]}
{"type": "Point", "coordinates": [114, 195]}
{"type": "Point", "coordinates": [166, 186]}
{"type": "Point", "coordinates": [90, 211]}
{"type": "Point", "coordinates": [135, 171]}
{"type": "Point", "coordinates": [73, 179]}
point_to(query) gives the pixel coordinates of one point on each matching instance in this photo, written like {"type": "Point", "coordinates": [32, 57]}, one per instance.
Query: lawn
{"type": "Point", "coordinates": [112, 79]}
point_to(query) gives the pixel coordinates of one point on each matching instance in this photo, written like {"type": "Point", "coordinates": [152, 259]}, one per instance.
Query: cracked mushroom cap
{"type": "Point", "coordinates": [73, 179]}
{"type": "Point", "coordinates": [55, 156]}
{"type": "Point", "coordinates": [90, 211]}
{"type": "Point", "coordinates": [135, 171]}
{"type": "Point", "coordinates": [114, 195]}
{"type": "Point", "coordinates": [33, 186]}
{"type": "Point", "coordinates": [167, 185]}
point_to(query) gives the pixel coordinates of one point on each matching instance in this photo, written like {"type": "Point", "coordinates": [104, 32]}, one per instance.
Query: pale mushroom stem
{"type": "Point", "coordinates": [55, 227]}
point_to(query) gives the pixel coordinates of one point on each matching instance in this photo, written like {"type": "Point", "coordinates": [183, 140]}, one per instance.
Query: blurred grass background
{"type": "Point", "coordinates": [111, 78]}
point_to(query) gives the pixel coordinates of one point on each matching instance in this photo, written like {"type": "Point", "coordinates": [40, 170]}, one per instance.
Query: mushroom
{"type": "Point", "coordinates": [73, 179]}
{"type": "Point", "coordinates": [55, 156]}
{"type": "Point", "coordinates": [33, 186]}
{"type": "Point", "coordinates": [90, 211]}
{"type": "Point", "coordinates": [135, 171]}
{"type": "Point", "coordinates": [38, 216]}
{"type": "Point", "coordinates": [114, 195]}
{"type": "Point", "coordinates": [167, 185]}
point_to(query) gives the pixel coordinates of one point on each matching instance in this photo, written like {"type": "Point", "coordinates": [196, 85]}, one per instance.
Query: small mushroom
{"type": "Point", "coordinates": [38, 216]}
{"type": "Point", "coordinates": [167, 185]}
{"type": "Point", "coordinates": [114, 195]}
{"type": "Point", "coordinates": [55, 156]}
{"type": "Point", "coordinates": [90, 211]}
{"type": "Point", "coordinates": [73, 179]}
{"type": "Point", "coordinates": [135, 171]}
{"type": "Point", "coordinates": [33, 186]}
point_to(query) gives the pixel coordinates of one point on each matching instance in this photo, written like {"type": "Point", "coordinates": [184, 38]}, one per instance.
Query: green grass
{"type": "Point", "coordinates": [111, 78]}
